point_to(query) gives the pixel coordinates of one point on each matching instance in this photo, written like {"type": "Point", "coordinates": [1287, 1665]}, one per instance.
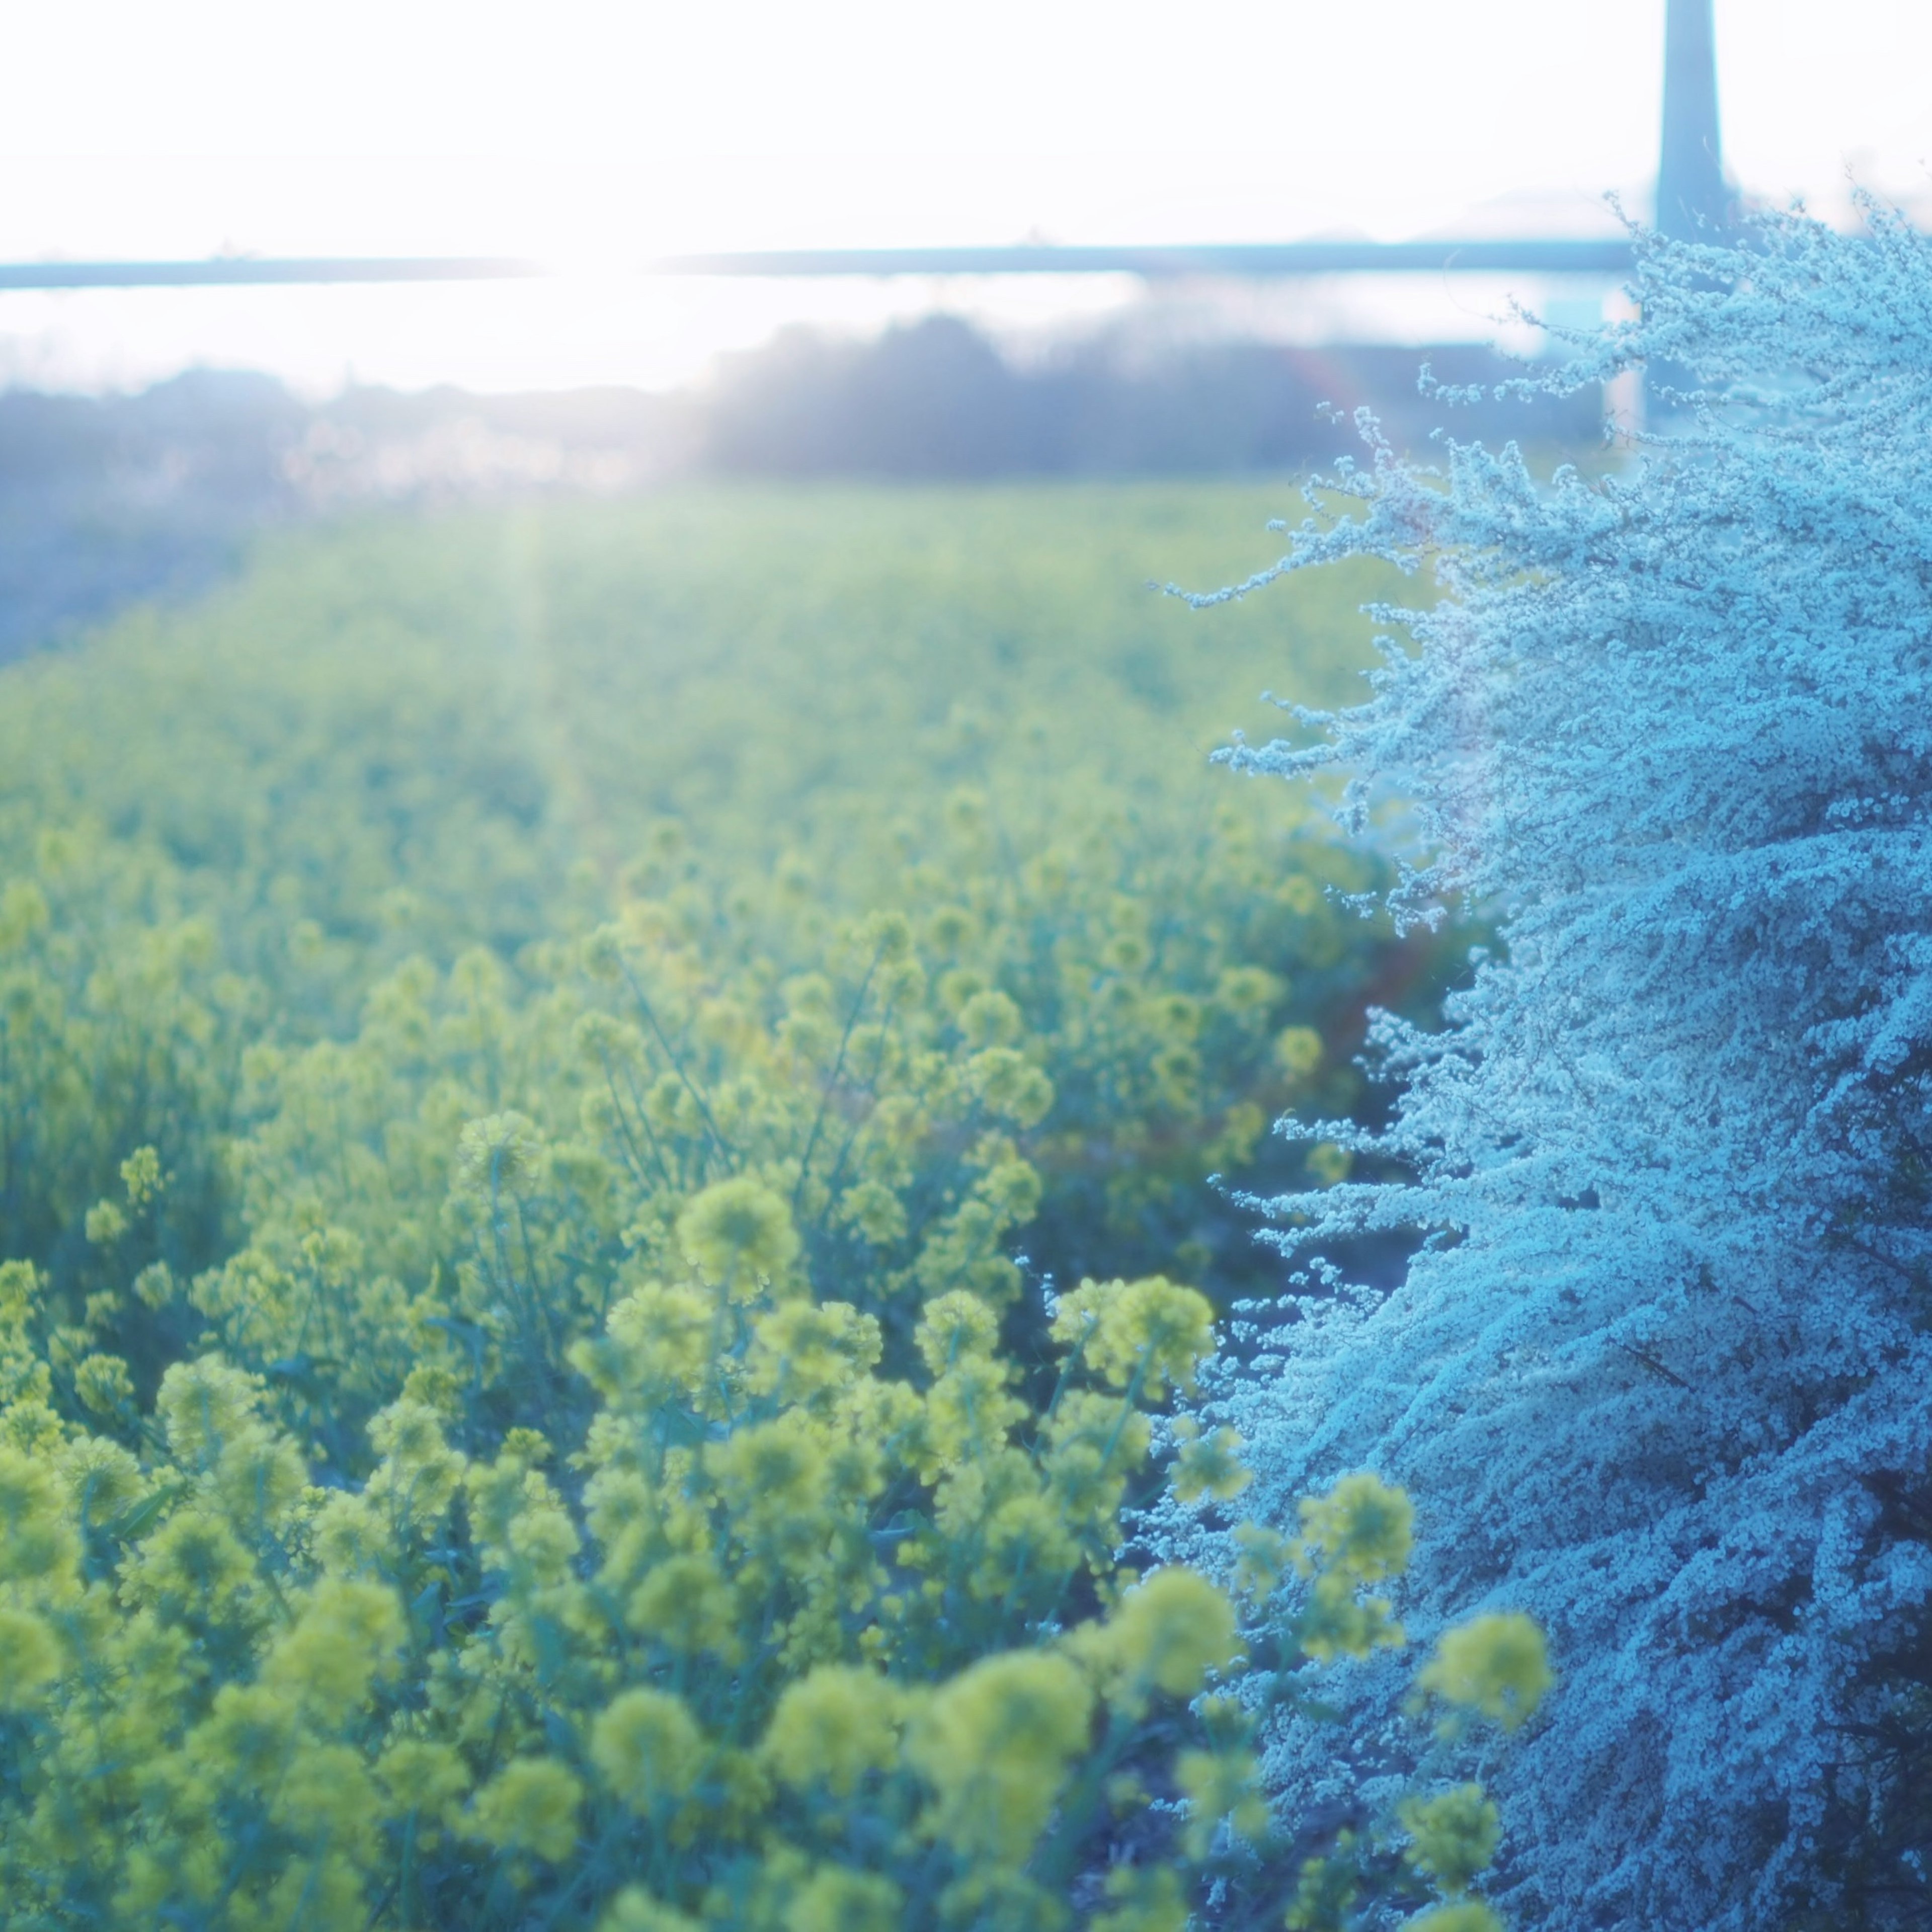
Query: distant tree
{"type": "Point", "coordinates": [1661, 1372]}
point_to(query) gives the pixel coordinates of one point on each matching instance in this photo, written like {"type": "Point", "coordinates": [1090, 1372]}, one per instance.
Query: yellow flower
{"type": "Point", "coordinates": [994, 1744]}
{"type": "Point", "coordinates": [1151, 1327]}
{"type": "Point", "coordinates": [875, 1211]}
{"type": "Point", "coordinates": [324, 1892]}
{"type": "Point", "coordinates": [687, 1606]}
{"type": "Point", "coordinates": [955, 1327]}
{"type": "Point", "coordinates": [349, 1633]}
{"type": "Point", "coordinates": [259, 1473]}
{"type": "Point", "coordinates": [194, 1556]}
{"type": "Point", "coordinates": [1325, 1891]}
{"type": "Point", "coordinates": [803, 1349]}
{"type": "Point", "coordinates": [1009, 1086]}
{"type": "Point", "coordinates": [36, 1540]}
{"type": "Point", "coordinates": [1362, 1529]}
{"type": "Point", "coordinates": [1337, 1623]}
{"type": "Point", "coordinates": [30, 1658]}
{"type": "Point", "coordinates": [1208, 1465]}
{"type": "Point", "coordinates": [1220, 1785]}
{"type": "Point", "coordinates": [325, 1792]}
{"type": "Point", "coordinates": [497, 1153]}
{"type": "Point", "coordinates": [106, 1223]}
{"type": "Point", "coordinates": [141, 1175]}
{"type": "Point", "coordinates": [246, 1735]}
{"type": "Point", "coordinates": [835, 1900]}
{"type": "Point", "coordinates": [1454, 1835]}
{"type": "Point", "coordinates": [1168, 1633]}
{"type": "Point", "coordinates": [774, 1473]}
{"type": "Point", "coordinates": [1466, 1914]}
{"type": "Point", "coordinates": [420, 1473]}
{"type": "Point", "coordinates": [831, 1726]}
{"type": "Point", "coordinates": [1298, 1051]}
{"type": "Point", "coordinates": [100, 1477]}
{"type": "Point", "coordinates": [736, 1234]}
{"type": "Point", "coordinates": [23, 912]}
{"type": "Point", "coordinates": [661, 1337]}
{"type": "Point", "coordinates": [1145, 1899]}
{"type": "Point", "coordinates": [530, 1805]}
{"type": "Point", "coordinates": [989, 1019]}
{"type": "Point", "coordinates": [422, 1776]}
{"type": "Point", "coordinates": [647, 1747]}
{"type": "Point", "coordinates": [634, 1909]}
{"type": "Point", "coordinates": [203, 1404]}
{"type": "Point", "coordinates": [1265, 1555]}
{"type": "Point", "coordinates": [1329, 1163]}
{"type": "Point", "coordinates": [103, 1384]}
{"type": "Point", "coordinates": [970, 1410]}
{"type": "Point", "coordinates": [1497, 1665]}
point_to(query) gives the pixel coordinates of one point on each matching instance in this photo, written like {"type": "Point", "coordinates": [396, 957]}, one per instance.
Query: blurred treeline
{"type": "Point", "coordinates": [104, 500]}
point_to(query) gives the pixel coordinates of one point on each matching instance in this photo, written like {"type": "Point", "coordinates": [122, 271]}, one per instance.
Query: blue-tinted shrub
{"type": "Point", "coordinates": [1664, 1364]}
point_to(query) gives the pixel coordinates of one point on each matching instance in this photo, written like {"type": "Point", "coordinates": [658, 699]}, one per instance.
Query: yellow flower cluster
{"type": "Point", "coordinates": [811, 1613]}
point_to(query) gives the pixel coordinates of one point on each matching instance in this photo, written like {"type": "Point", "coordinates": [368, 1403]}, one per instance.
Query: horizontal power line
{"type": "Point", "coordinates": [1552, 256]}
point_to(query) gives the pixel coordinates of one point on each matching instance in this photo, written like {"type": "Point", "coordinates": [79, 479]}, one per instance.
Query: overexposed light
{"type": "Point", "coordinates": [599, 135]}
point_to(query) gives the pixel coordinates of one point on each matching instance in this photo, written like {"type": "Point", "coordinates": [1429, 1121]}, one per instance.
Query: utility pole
{"type": "Point", "coordinates": [1692, 197]}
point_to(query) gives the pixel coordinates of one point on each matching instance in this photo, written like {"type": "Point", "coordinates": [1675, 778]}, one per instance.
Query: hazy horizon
{"type": "Point", "coordinates": [598, 140]}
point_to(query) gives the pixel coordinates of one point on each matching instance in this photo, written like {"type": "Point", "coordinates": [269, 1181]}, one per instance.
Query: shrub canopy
{"type": "Point", "coordinates": [1665, 1360]}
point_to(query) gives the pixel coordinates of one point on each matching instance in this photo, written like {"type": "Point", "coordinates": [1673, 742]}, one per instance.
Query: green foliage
{"type": "Point", "coordinates": [546, 1060]}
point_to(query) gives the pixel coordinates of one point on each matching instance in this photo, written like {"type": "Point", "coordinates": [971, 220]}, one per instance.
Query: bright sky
{"type": "Point", "coordinates": [602, 134]}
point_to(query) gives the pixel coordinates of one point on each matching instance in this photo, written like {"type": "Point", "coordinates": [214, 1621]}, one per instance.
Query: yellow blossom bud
{"type": "Point", "coordinates": [1362, 1529]}
{"type": "Point", "coordinates": [833, 1727]}
{"type": "Point", "coordinates": [1337, 1623]}
{"type": "Point", "coordinates": [994, 1744]}
{"type": "Point", "coordinates": [141, 1175]}
{"type": "Point", "coordinates": [1168, 1633]}
{"type": "Point", "coordinates": [498, 1152]}
{"type": "Point", "coordinates": [1453, 1834]}
{"type": "Point", "coordinates": [1265, 1555]}
{"type": "Point", "coordinates": [1222, 1786]}
{"type": "Point", "coordinates": [1009, 1086]}
{"type": "Point", "coordinates": [103, 1384]}
{"type": "Point", "coordinates": [203, 1404]}
{"type": "Point", "coordinates": [647, 1747]}
{"type": "Point", "coordinates": [1144, 1899]}
{"type": "Point", "coordinates": [419, 1775]}
{"type": "Point", "coordinates": [955, 1326]}
{"type": "Point", "coordinates": [1298, 1051]}
{"type": "Point", "coordinates": [1497, 1665]}
{"type": "Point", "coordinates": [1208, 1465]}
{"type": "Point", "coordinates": [193, 1557]}
{"type": "Point", "coordinates": [36, 1540]}
{"type": "Point", "coordinates": [634, 1909]}
{"type": "Point", "coordinates": [1152, 1328]}
{"type": "Point", "coordinates": [1464, 1915]}
{"type": "Point", "coordinates": [30, 1658]}
{"type": "Point", "coordinates": [736, 1234]}
{"type": "Point", "coordinates": [686, 1605]}
{"type": "Point", "coordinates": [530, 1805]}
{"type": "Point", "coordinates": [836, 1900]}
{"type": "Point", "coordinates": [803, 1349]}
{"type": "Point", "coordinates": [348, 1633]}
{"type": "Point", "coordinates": [989, 1019]}
{"type": "Point", "coordinates": [325, 1792]}
{"type": "Point", "coordinates": [106, 1223]}
{"type": "Point", "coordinates": [246, 1735]}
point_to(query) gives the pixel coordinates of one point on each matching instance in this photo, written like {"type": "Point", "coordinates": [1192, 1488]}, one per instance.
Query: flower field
{"type": "Point", "coordinates": [606, 1115]}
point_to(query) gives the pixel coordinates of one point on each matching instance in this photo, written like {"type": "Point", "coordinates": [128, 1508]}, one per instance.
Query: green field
{"type": "Point", "coordinates": [405, 739]}
{"type": "Point", "coordinates": [553, 1057]}
{"type": "Point", "coordinates": [784, 671]}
